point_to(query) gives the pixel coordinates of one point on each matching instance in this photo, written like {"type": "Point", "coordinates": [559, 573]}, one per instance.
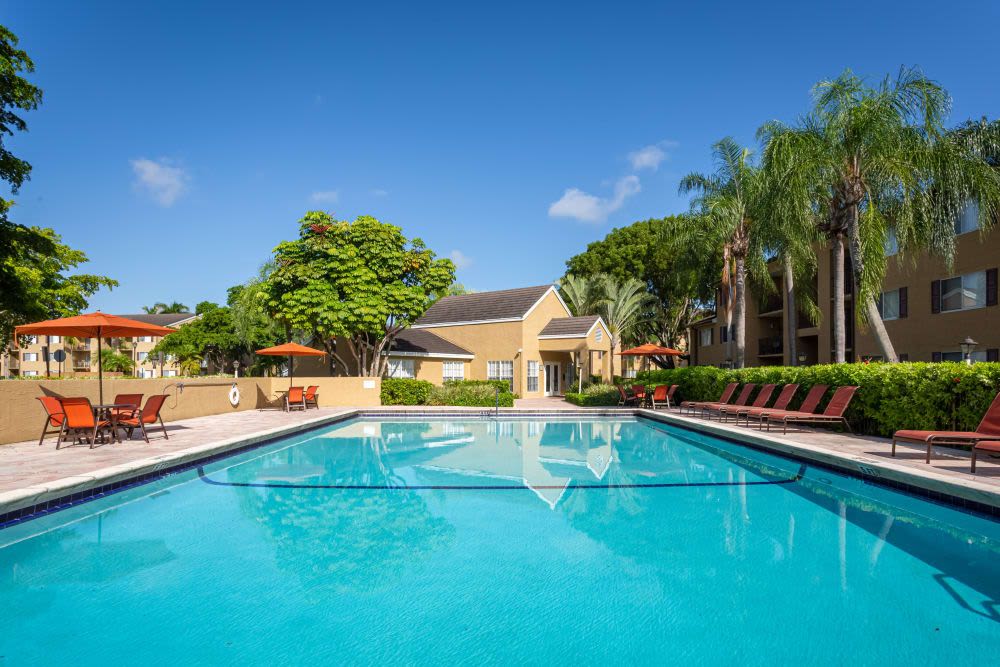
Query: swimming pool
{"type": "Point", "coordinates": [499, 541]}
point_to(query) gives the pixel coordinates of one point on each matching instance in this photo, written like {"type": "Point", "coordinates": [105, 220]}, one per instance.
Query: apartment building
{"type": "Point", "coordinates": [928, 310]}
{"type": "Point", "coordinates": [58, 355]}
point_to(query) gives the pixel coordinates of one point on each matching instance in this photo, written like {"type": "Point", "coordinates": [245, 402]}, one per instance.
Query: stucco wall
{"type": "Point", "coordinates": [499, 341]}
{"type": "Point", "coordinates": [21, 415]}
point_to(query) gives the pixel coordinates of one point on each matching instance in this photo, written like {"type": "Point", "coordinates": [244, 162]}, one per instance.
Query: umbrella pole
{"type": "Point", "coordinates": [100, 370]}
{"type": "Point", "coordinates": [291, 373]}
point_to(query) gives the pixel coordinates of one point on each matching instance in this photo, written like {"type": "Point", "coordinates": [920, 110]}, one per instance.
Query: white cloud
{"type": "Point", "coordinates": [460, 259]}
{"type": "Point", "coordinates": [378, 192]}
{"type": "Point", "coordinates": [585, 207]}
{"type": "Point", "coordinates": [325, 197]}
{"type": "Point", "coordinates": [162, 181]}
{"type": "Point", "coordinates": [650, 157]}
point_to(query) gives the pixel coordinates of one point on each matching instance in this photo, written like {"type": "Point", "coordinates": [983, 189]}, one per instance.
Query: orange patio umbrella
{"type": "Point", "coordinates": [650, 350]}
{"type": "Point", "coordinates": [93, 325]}
{"type": "Point", "coordinates": [291, 350]}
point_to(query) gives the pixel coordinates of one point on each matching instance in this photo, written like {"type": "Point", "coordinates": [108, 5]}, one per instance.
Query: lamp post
{"type": "Point", "coordinates": [236, 369]}
{"type": "Point", "coordinates": [135, 358]}
{"type": "Point", "coordinates": [967, 346]}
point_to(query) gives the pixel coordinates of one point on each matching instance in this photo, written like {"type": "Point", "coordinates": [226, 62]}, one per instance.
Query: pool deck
{"type": "Point", "coordinates": [31, 475]}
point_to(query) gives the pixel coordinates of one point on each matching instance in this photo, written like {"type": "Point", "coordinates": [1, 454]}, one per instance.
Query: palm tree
{"type": "Point", "coordinates": [160, 307]}
{"type": "Point", "coordinates": [727, 203]}
{"type": "Point", "coordinates": [875, 159]}
{"type": "Point", "coordinates": [583, 294]}
{"type": "Point", "coordinates": [622, 309]}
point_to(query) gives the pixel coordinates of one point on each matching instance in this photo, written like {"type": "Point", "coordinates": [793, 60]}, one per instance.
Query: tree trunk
{"type": "Point", "coordinates": [740, 313]}
{"type": "Point", "coordinates": [871, 309]}
{"type": "Point", "coordinates": [839, 323]}
{"type": "Point", "coordinates": [791, 312]}
{"type": "Point", "coordinates": [614, 346]}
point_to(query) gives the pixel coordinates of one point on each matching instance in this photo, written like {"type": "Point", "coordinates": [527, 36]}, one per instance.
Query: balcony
{"type": "Point", "coordinates": [81, 346]}
{"type": "Point", "coordinates": [771, 306]}
{"type": "Point", "coordinates": [770, 346]}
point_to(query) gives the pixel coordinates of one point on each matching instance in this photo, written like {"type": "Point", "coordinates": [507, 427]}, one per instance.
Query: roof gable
{"type": "Point", "coordinates": [482, 307]}
{"type": "Point", "coordinates": [419, 343]}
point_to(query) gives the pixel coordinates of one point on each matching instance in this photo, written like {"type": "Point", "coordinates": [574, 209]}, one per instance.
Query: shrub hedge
{"type": "Point", "coordinates": [472, 393]}
{"type": "Point", "coordinates": [405, 391]}
{"type": "Point", "coordinates": [594, 395]}
{"type": "Point", "coordinates": [891, 396]}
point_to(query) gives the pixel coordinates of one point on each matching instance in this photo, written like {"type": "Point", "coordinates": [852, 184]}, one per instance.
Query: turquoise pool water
{"type": "Point", "coordinates": [502, 542]}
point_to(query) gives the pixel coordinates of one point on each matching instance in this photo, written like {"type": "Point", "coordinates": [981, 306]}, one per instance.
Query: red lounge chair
{"type": "Point", "coordinates": [727, 394]}
{"type": "Point", "coordinates": [988, 446]}
{"type": "Point", "coordinates": [132, 400]}
{"type": "Point", "coordinates": [834, 413]}
{"type": "Point", "coordinates": [54, 417]}
{"type": "Point", "coordinates": [149, 414]}
{"type": "Point", "coordinates": [624, 398]}
{"type": "Point", "coordinates": [312, 396]}
{"type": "Point", "coordinates": [988, 429]}
{"type": "Point", "coordinates": [780, 405]}
{"type": "Point", "coordinates": [80, 421]}
{"type": "Point", "coordinates": [741, 400]}
{"type": "Point", "coordinates": [763, 396]}
{"type": "Point", "coordinates": [295, 399]}
{"type": "Point", "coordinates": [662, 395]}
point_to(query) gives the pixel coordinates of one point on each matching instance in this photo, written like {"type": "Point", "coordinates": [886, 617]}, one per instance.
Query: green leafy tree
{"type": "Point", "coordinates": [33, 260]}
{"type": "Point", "coordinates": [361, 282]}
{"type": "Point", "coordinates": [116, 362]}
{"type": "Point", "coordinates": [583, 294]}
{"type": "Point", "coordinates": [624, 304]}
{"type": "Point", "coordinates": [211, 337]}
{"type": "Point", "coordinates": [254, 327]}
{"type": "Point", "coordinates": [879, 158]}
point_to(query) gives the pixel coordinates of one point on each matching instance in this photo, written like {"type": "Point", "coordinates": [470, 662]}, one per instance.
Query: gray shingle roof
{"type": "Point", "coordinates": [418, 341]}
{"type": "Point", "coordinates": [480, 306]}
{"type": "Point", "coordinates": [160, 319]}
{"type": "Point", "coordinates": [569, 326]}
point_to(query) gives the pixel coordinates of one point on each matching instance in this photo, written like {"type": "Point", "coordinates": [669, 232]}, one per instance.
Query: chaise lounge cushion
{"type": "Point", "coordinates": [926, 436]}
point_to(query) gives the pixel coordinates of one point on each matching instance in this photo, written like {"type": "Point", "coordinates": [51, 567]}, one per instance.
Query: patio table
{"type": "Point", "coordinates": [109, 412]}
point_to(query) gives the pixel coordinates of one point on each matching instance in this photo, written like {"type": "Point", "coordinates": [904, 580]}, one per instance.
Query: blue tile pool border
{"type": "Point", "coordinates": [45, 508]}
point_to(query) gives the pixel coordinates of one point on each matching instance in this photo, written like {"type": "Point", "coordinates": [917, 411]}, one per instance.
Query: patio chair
{"type": "Point", "coordinates": [833, 414]}
{"type": "Point", "coordinates": [780, 404]}
{"type": "Point", "coordinates": [80, 421]}
{"type": "Point", "coordinates": [639, 391]}
{"type": "Point", "coordinates": [624, 398]}
{"type": "Point", "coordinates": [132, 400]}
{"type": "Point", "coordinates": [312, 396]}
{"type": "Point", "coordinates": [295, 399]}
{"type": "Point", "coordinates": [741, 400]}
{"type": "Point", "coordinates": [988, 429]}
{"type": "Point", "coordinates": [727, 393]}
{"type": "Point", "coordinates": [763, 396]}
{"type": "Point", "coordinates": [54, 417]}
{"type": "Point", "coordinates": [148, 414]}
{"type": "Point", "coordinates": [991, 447]}
{"type": "Point", "coordinates": [662, 395]}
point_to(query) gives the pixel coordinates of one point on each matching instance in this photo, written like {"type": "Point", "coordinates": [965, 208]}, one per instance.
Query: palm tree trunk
{"type": "Point", "coordinates": [871, 309]}
{"type": "Point", "coordinates": [791, 312]}
{"type": "Point", "coordinates": [740, 313]}
{"type": "Point", "coordinates": [839, 323]}
{"type": "Point", "coordinates": [614, 346]}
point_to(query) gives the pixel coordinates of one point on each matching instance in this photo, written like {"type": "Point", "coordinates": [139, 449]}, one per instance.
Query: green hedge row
{"type": "Point", "coordinates": [891, 396]}
{"type": "Point", "coordinates": [594, 395]}
{"type": "Point", "coordinates": [468, 393]}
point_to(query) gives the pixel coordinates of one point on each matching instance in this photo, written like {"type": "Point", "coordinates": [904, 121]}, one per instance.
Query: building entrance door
{"type": "Point", "coordinates": [551, 379]}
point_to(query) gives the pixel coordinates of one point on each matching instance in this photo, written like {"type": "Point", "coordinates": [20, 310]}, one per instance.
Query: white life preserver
{"type": "Point", "coordinates": [234, 395]}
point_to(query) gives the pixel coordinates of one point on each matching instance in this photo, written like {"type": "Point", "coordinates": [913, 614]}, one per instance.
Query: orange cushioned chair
{"type": "Point", "coordinates": [54, 417]}
{"type": "Point", "coordinates": [312, 396]}
{"type": "Point", "coordinates": [80, 421]}
{"type": "Point", "coordinates": [148, 414]}
{"type": "Point", "coordinates": [988, 429]}
{"type": "Point", "coordinates": [295, 399]}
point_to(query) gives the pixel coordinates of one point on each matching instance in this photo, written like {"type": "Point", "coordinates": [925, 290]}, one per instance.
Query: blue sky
{"type": "Point", "coordinates": [178, 144]}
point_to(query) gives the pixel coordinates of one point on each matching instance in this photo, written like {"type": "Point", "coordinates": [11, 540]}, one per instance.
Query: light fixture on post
{"type": "Point", "coordinates": [967, 346]}
{"type": "Point", "coordinates": [236, 369]}
{"type": "Point", "coordinates": [802, 358]}
{"type": "Point", "coordinates": [135, 358]}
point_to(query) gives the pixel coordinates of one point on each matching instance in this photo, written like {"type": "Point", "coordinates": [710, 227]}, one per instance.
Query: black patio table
{"type": "Point", "coordinates": [109, 412]}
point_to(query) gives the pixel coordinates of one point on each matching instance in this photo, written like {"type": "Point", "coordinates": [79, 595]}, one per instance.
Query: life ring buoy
{"type": "Point", "coordinates": [234, 395]}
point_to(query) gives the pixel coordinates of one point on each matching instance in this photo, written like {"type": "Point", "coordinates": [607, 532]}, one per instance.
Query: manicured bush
{"type": "Point", "coordinates": [594, 395]}
{"type": "Point", "coordinates": [935, 396]}
{"type": "Point", "coordinates": [472, 393]}
{"type": "Point", "coordinates": [405, 391]}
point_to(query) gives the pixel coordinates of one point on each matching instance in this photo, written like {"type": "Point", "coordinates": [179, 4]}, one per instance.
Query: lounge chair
{"type": "Point", "coordinates": [833, 414]}
{"type": "Point", "coordinates": [663, 395]}
{"type": "Point", "coordinates": [312, 396]}
{"type": "Point", "coordinates": [763, 396]}
{"type": "Point", "coordinates": [727, 394]}
{"type": "Point", "coordinates": [133, 401]}
{"type": "Point", "coordinates": [624, 398]}
{"type": "Point", "coordinates": [780, 405]}
{"type": "Point", "coordinates": [148, 414]}
{"type": "Point", "coordinates": [295, 399]}
{"type": "Point", "coordinates": [80, 422]}
{"type": "Point", "coordinates": [741, 400]}
{"type": "Point", "coordinates": [640, 393]}
{"type": "Point", "coordinates": [988, 429]}
{"type": "Point", "coordinates": [54, 417]}
{"type": "Point", "coordinates": [991, 447]}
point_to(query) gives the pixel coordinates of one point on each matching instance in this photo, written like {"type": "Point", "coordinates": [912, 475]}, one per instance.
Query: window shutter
{"type": "Point", "coordinates": [936, 297]}
{"type": "Point", "coordinates": [722, 335]}
{"type": "Point", "coordinates": [711, 336]}
{"type": "Point", "coordinates": [935, 356]}
{"type": "Point", "coordinates": [991, 287]}
{"type": "Point", "coordinates": [993, 354]}
{"type": "Point", "coordinates": [904, 306]}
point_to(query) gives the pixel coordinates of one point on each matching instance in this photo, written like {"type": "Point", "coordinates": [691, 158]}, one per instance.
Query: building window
{"type": "Point", "coordinates": [889, 305]}
{"type": "Point", "coordinates": [891, 243]}
{"type": "Point", "coordinates": [143, 356]}
{"type": "Point", "coordinates": [453, 370]}
{"type": "Point", "coordinates": [532, 376]}
{"type": "Point", "coordinates": [705, 337]}
{"type": "Point", "coordinates": [32, 340]}
{"type": "Point", "coordinates": [977, 355]}
{"type": "Point", "coordinates": [145, 339]}
{"type": "Point", "coordinates": [148, 373]}
{"type": "Point", "coordinates": [500, 370]}
{"type": "Point", "coordinates": [55, 340]}
{"type": "Point", "coordinates": [29, 356]}
{"type": "Point", "coordinates": [963, 292]}
{"type": "Point", "coordinates": [598, 335]}
{"type": "Point", "coordinates": [30, 374]}
{"type": "Point", "coordinates": [400, 368]}
{"type": "Point", "coordinates": [169, 373]}
{"type": "Point", "coordinates": [968, 220]}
